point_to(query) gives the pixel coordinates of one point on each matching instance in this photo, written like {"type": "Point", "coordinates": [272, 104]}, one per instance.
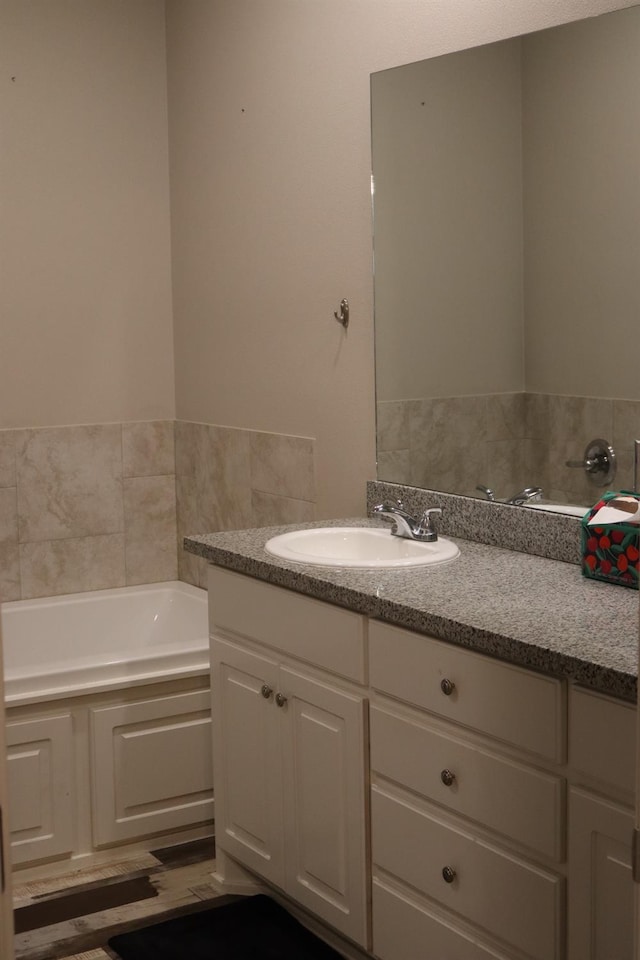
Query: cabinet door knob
{"type": "Point", "coordinates": [448, 874]}
{"type": "Point", "coordinates": [266, 691]}
{"type": "Point", "coordinates": [281, 699]}
{"type": "Point", "coordinates": [447, 687]}
{"type": "Point", "coordinates": [448, 778]}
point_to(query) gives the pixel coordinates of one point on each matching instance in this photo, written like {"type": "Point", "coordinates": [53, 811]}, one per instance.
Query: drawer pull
{"type": "Point", "coordinates": [448, 778]}
{"type": "Point", "coordinates": [266, 691]}
{"type": "Point", "coordinates": [448, 874]}
{"type": "Point", "coordinates": [280, 699]}
{"type": "Point", "coordinates": [447, 687]}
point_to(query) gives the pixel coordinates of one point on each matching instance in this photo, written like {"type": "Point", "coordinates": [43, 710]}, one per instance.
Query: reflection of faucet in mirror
{"type": "Point", "coordinates": [528, 495]}
{"type": "Point", "coordinates": [493, 257]}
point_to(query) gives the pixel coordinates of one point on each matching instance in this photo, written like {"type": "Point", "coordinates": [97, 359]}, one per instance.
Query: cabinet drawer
{"type": "Point", "coordinates": [402, 927]}
{"type": "Point", "coordinates": [514, 705]}
{"type": "Point", "coordinates": [602, 738]}
{"type": "Point", "coordinates": [506, 796]}
{"type": "Point", "coordinates": [328, 636]}
{"type": "Point", "coordinates": [513, 900]}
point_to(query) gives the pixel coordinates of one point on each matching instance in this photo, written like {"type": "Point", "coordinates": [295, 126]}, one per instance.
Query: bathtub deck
{"type": "Point", "coordinates": [78, 917]}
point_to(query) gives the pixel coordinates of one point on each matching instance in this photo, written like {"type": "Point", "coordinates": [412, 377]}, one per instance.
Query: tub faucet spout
{"type": "Point", "coordinates": [526, 496]}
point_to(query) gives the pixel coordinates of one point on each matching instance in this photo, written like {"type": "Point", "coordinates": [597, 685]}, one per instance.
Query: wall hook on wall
{"type": "Point", "coordinates": [343, 316]}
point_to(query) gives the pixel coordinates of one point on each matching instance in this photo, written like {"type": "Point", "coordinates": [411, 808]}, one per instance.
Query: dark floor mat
{"type": "Point", "coordinates": [249, 928]}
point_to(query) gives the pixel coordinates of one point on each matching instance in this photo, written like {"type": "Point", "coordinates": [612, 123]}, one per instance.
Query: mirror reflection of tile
{"type": "Point", "coordinates": [503, 441]}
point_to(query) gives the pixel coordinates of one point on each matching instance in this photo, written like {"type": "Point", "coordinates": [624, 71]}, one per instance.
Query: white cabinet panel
{"type": "Point", "coordinates": [40, 771]}
{"type": "Point", "coordinates": [600, 881]}
{"type": "Point", "coordinates": [136, 792]}
{"type": "Point", "coordinates": [602, 738]}
{"type": "Point", "coordinates": [329, 637]}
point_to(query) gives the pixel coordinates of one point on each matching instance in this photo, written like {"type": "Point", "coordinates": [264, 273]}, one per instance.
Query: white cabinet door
{"type": "Point", "coordinates": [289, 772]}
{"type": "Point", "coordinates": [246, 759]}
{"type": "Point", "coordinates": [324, 803]}
{"type": "Point", "coordinates": [601, 889]}
{"type": "Point", "coordinates": [6, 911]}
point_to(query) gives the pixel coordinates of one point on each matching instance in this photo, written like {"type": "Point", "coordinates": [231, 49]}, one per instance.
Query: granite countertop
{"type": "Point", "coordinates": [525, 609]}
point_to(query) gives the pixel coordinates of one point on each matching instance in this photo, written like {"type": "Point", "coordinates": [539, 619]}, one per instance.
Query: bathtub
{"type": "Point", "coordinates": [102, 640]}
{"type": "Point", "coordinates": [108, 720]}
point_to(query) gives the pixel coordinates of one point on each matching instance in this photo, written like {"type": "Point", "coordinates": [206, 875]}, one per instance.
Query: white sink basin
{"type": "Point", "coordinates": [358, 547]}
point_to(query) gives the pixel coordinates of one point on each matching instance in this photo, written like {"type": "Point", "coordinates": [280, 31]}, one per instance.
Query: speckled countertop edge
{"type": "Point", "coordinates": [525, 609]}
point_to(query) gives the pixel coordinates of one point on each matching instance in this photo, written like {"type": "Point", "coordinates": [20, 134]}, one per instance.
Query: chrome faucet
{"type": "Point", "coordinates": [488, 492]}
{"type": "Point", "coordinates": [404, 525]}
{"type": "Point", "coordinates": [525, 496]}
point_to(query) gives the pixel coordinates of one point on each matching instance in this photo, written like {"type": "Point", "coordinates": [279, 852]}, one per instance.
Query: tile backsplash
{"type": "Point", "coordinates": [106, 505]}
{"type": "Point", "coordinates": [228, 479]}
{"type": "Point", "coordinates": [504, 441]}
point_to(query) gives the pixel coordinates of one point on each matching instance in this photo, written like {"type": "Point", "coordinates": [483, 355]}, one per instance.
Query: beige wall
{"type": "Point", "coordinates": [86, 326]}
{"type": "Point", "coordinates": [270, 163]}
{"type": "Point", "coordinates": [270, 166]}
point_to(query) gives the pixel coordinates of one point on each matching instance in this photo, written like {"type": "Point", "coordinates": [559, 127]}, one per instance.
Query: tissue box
{"type": "Point", "coordinates": [610, 534]}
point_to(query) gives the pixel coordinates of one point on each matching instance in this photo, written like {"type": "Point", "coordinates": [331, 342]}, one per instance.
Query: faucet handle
{"type": "Point", "coordinates": [425, 528]}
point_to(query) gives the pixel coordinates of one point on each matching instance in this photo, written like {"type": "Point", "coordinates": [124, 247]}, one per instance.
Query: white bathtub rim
{"type": "Point", "coordinates": [122, 670]}
{"type": "Point", "coordinates": [61, 598]}
{"type": "Point", "coordinates": [22, 691]}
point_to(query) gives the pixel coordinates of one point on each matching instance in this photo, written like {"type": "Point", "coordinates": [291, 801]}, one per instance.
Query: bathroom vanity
{"type": "Point", "coordinates": [439, 756]}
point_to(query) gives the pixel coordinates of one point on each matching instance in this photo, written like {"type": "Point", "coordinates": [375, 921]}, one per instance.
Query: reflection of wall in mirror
{"type": "Point", "coordinates": [521, 160]}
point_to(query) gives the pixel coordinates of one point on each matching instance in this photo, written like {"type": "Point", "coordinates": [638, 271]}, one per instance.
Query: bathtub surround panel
{"type": "Point", "coordinates": [150, 524]}
{"type": "Point", "coordinates": [148, 449]}
{"type": "Point", "coordinates": [7, 458]}
{"type": "Point", "coordinates": [283, 466]}
{"type": "Point", "coordinates": [78, 505]}
{"type": "Point", "coordinates": [229, 479]}
{"type": "Point", "coordinates": [95, 506]}
{"type": "Point", "coordinates": [9, 552]}
{"type": "Point", "coordinates": [505, 442]}
{"type": "Point", "coordinates": [271, 510]}
{"type": "Point", "coordinates": [69, 482]}
{"type": "Point", "coordinates": [75, 565]}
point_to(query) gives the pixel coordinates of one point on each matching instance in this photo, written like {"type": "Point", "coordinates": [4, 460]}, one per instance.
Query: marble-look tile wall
{"type": "Point", "coordinates": [453, 443]}
{"type": "Point", "coordinates": [86, 508]}
{"type": "Point", "coordinates": [227, 478]}
{"type": "Point", "coordinates": [107, 505]}
{"type": "Point", "coordinates": [505, 442]}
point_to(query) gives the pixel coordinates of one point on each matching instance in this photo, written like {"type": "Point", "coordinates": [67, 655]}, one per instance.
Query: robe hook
{"type": "Point", "coordinates": [343, 316]}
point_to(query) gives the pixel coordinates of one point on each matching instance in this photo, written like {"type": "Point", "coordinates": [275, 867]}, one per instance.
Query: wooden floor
{"type": "Point", "coordinates": [73, 916]}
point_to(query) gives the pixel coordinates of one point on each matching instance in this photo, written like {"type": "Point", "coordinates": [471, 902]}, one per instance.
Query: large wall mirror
{"type": "Point", "coordinates": [507, 262]}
